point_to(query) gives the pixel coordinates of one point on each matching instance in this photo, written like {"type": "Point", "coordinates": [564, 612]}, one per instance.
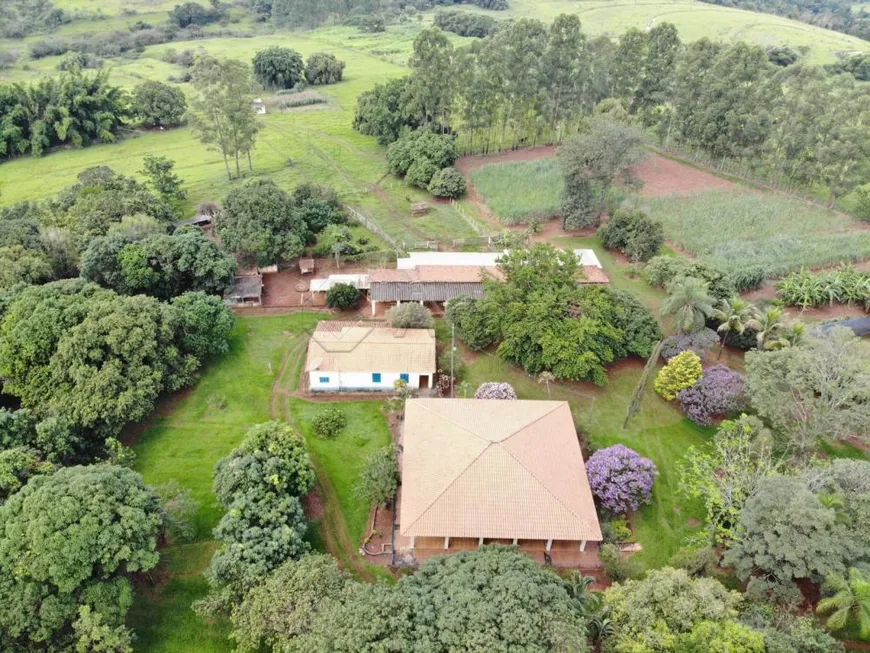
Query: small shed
{"type": "Point", "coordinates": [306, 266]}
{"type": "Point", "coordinates": [200, 220]}
{"type": "Point", "coordinates": [247, 290]}
{"type": "Point", "coordinates": [259, 106]}
{"type": "Point", "coordinates": [268, 269]}
{"type": "Point", "coordinates": [420, 208]}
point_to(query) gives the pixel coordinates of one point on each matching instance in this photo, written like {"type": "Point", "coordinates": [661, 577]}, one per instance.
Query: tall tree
{"type": "Point", "coordinates": [432, 88]}
{"type": "Point", "coordinates": [565, 72]}
{"type": "Point", "coordinates": [736, 315]}
{"type": "Point", "coordinates": [222, 114]}
{"type": "Point", "coordinates": [689, 302]}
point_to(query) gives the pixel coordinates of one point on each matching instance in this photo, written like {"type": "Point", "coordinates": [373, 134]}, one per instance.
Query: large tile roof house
{"type": "Point", "coordinates": [491, 470]}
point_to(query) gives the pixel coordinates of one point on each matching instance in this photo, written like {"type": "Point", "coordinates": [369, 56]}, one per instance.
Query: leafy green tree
{"type": "Point", "coordinates": [206, 324]}
{"type": "Point", "coordinates": [17, 466]}
{"type": "Point", "coordinates": [343, 296]}
{"type": "Point", "coordinates": [818, 390]}
{"type": "Point", "coordinates": [420, 155]}
{"type": "Point", "coordinates": [192, 13]}
{"type": "Point", "coordinates": [473, 322]}
{"type": "Point", "coordinates": [283, 606]}
{"type": "Point", "coordinates": [222, 114]}
{"type": "Point", "coordinates": [432, 87]}
{"type": "Point", "coordinates": [849, 600]}
{"type": "Point", "coordinates": [164, 181]}
{"type": "Point", "coordinates": [632, 232]}
{"type": "Point", "coordinates": [605, 152]}
{"type": "Point", "coordinates": [689, 302]}
{"type": "Point", "coordinates": [67, 543]}
{"type": "Point", "coordinates": [579, 206]}
{"type": "Point", "coordinates": [379, 480]}
{"type": "Point", "coordinates": [259, 222]}
{"type": "Point", "coordinates": [20, 265]}
{"type": "Point", "coordinates": [438, 608]}
{"type": "Point", "coordinates": [721, 637]}
{"type": "Point", "coordinates": [323, 68]}
{"type": "Point", "coordinates": [156, 104]}
{"type": "Point", "coordinates": [652, 614]}
{"type": "Point", "coordinates": [276, 67]}
{"type": "Point", "coordinates": [447, 182]}
{"type": "Point", "coordinates": [260, 485]}
{"type": "Point", "coordinates": [724, 478]}
{"type": "Point", "coordinates": [384, 111]}
{"type": "Point", "coordinates": [786, 531]}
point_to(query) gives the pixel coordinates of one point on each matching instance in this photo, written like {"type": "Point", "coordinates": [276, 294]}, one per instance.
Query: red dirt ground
{"type": "Point", "coordinates": [662, 177]}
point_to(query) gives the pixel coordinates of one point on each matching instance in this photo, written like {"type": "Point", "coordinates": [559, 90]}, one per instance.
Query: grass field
{"type": "Point", "coordinates": [518, 192]}
{"type": "Point", "coordinates": [694, 20]}
{"type": "Point", "coordinates": [734, 229]}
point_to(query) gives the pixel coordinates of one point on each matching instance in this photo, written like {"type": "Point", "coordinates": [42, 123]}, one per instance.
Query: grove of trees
{"type": "Point", "coordinates": [529, 83]}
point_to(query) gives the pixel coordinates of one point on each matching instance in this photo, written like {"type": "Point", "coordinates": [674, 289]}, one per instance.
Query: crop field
{"type": "Point", "coordinates": [518, 192]}
{"type": "Point", "coordinates": [734, 229]}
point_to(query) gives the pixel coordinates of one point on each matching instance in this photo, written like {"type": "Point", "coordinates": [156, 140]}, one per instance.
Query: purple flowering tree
{"type": "Point", "coordinates": [621, 478]}
{"type": "Point", "coordinates": [699, 342]}
{"type": "Point", "coordinates": [717, 394]}
{"type": "Point", "coordinates": [495, 391]}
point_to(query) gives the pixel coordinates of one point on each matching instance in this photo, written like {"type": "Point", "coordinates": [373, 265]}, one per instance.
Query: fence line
{"type": "Point", "coordinates": [372, 226]}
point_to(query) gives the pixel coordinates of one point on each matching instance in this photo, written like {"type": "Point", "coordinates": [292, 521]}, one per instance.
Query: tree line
{"type": "Point", "coordinates": [529, 83]}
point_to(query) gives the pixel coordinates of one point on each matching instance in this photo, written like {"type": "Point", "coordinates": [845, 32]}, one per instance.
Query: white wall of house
{"type": "Point", "coordinates": [335, 381]}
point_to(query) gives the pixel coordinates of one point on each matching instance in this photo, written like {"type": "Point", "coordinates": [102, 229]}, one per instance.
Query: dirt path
{"type": "Point", "coordinates": [333, 527]}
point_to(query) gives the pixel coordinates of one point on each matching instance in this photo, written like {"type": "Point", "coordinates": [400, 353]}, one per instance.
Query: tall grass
{"type": "Point", "coordinates": [738, 228]}
{"type": "Point", "coordinates": [519, 192]}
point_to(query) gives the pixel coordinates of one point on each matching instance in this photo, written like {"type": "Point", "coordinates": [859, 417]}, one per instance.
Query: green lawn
{"type": "Point", "coordinates": [182, 441]}
{"type": "Point", "coordinates": [518, 192]}
{"type": "Point", "coordinates": [341, 461]}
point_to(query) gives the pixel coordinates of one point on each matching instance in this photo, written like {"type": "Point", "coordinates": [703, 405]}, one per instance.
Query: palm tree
{"type": "Point", "coordinates": [770, 329]}
{"type": "Point", "coordinates": [689, 302]}
{"type": "Point", "coordinates": [736, 315]}
{"type": "Point", "coordinates": [851, 597]}
{"type": "Point", "coordinates": [548, 378]}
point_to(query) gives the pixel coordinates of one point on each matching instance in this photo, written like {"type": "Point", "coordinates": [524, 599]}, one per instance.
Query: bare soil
{"type": "Point", "coordinates": [662, 177]}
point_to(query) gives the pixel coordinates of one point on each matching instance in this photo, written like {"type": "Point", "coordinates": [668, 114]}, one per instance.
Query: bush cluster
{"type": "Point", "coordinates": [323, 68]}
{"type": "Point", "coordinates": [699, 342]}
{"type": "Point", "coordinates": [661, 270]}
{"type": "Point", "coordinates": [681, 372]}
{"type": "Point", "coordinates": [342, 296]}
{"type": "Point", "coordinates": [634, 233]}
{"type": "Point", "coordinates": [158, 105]}
{"type": "Point", "coordinates": [410, 315]}
{"type": "Point", "coordinates": [717, 394]}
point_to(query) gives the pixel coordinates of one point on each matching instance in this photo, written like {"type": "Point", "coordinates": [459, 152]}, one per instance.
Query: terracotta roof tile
{"type": "Point", "coordinates": [494, 469]}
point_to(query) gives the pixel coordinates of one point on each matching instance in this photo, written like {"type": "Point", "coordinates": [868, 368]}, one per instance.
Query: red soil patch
{"type": "Point", "coordinates": [289, 288]}
{"type": "Point", "coordinates": [313, 505]}
{"type": "Point", "coordinates": [662, 177]}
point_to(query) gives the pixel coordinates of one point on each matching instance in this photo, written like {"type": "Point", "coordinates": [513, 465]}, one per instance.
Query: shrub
{"type": "Point", "coordinates": [449, 183]}
{"type": "Point", "coordinates": [342, 296]}
{"type": "Point", "coordinates": [472, 322]}
{"type": "Point", "coordinates": [633, 233]}
{"type": "Point", "coordinates": [276, 67]}
{"type": "Point", "coordinates": [410, 316]}
{"type": "Point", "coordinates": [323, 68]}
{"type": "Point", "coordinates": [191, 13]}
{"type": "Point", "coordinates": [699, 342]}
{"type": "Point", "coordinates": [379, 481]}
{"type": "Point", "coordinates": [747, 278]}
{"type": "Point", "coordinates": [329, 423]}
{"type": "Point", "coordinates": [681, 372]}
{"type": "Point", "coordinates": [504, 391]}
{"type": "Point", "coordinates": [806, 288]}
{"type": "Point", "coordinates": [661, 270]}
{"type": "Point", "coordinates": [718, 394]}
{"type": "Point", "coordinates": [862, 204]}
{"type": "Point", "coordinates": [372, 24]}
{"type": "Point", "coordinates": [620, 478]}
{"type": "Point", "coordinates": [617, 566]}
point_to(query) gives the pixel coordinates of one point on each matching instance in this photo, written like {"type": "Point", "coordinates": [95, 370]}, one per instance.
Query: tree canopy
{"type": "Point", "coordinates": [67, 543]}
